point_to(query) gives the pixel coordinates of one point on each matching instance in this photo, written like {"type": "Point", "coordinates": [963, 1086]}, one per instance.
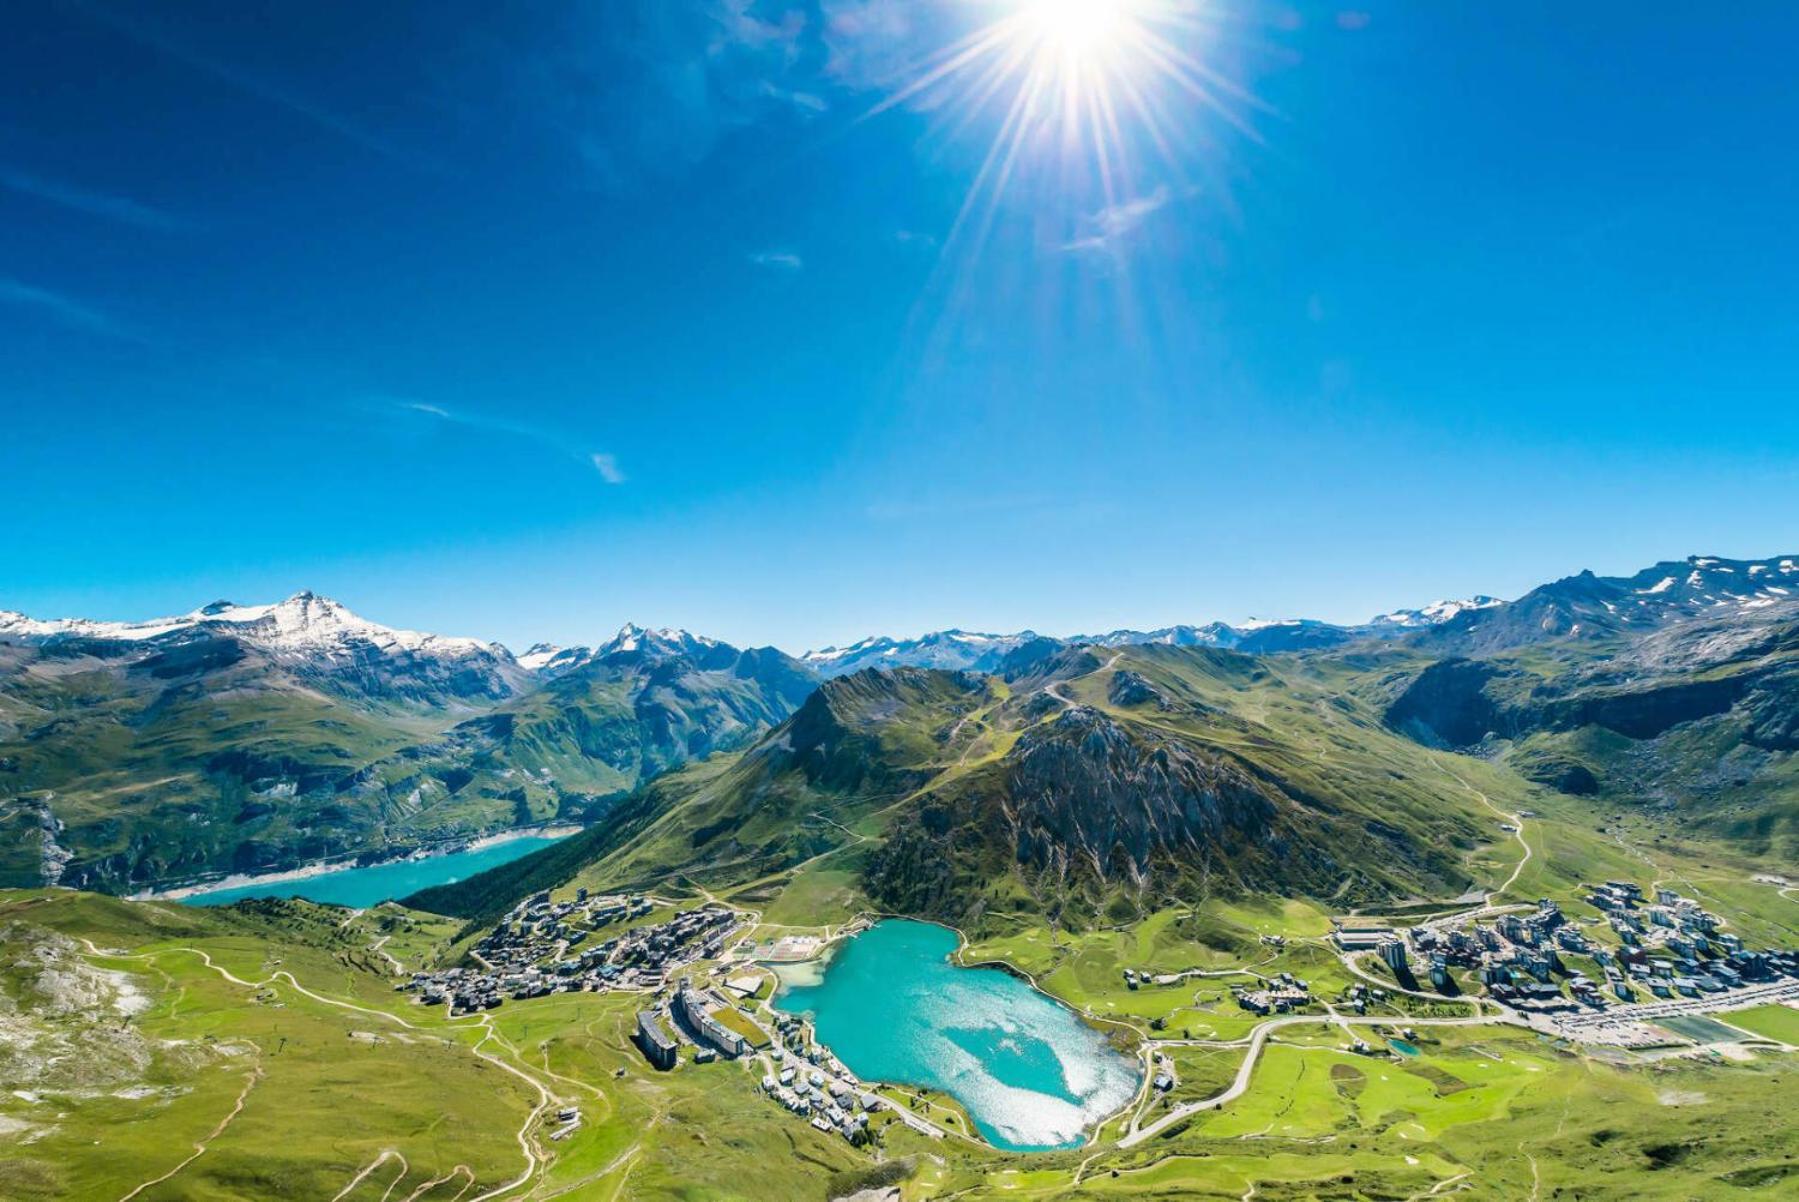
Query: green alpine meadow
{"type": "Point", "coordinates": [899, 601]}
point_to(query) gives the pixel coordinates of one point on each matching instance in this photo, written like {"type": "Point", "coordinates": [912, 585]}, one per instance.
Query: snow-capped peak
{"type": "Point", "coordinates": [1265, 623]}
{"type": "Point", "coordinates": [305, 621]}
{"type": "Point", "coordinates": [950, 649]}
{"type": "Point", "coordinates": [1436, 613]}
{"type": "Point", "coordinates": [539, 655]}
{"type": "Point", "coordinates": [668, 640]}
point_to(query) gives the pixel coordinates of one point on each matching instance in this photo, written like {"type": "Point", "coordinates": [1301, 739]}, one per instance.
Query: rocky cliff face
{"type": "Point", "coordinates": [1084, 793]}
{"type": "Point", "coordinates": [1460, 703]}
{"type": "Point", "coordinates": [1448, 705]}
{"type": "Point", "coordinates": [1095, 807]}
{"type": "Point", "coordinates": [1772, 710]}
{"type": "Point", "coordinates": [1698, 715]}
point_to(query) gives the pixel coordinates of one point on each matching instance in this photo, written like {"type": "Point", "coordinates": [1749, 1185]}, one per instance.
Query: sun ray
{"type": "Point", "coordinates": [1094, 112]}
{"type": "Point", "coordinates": [1083, 83]}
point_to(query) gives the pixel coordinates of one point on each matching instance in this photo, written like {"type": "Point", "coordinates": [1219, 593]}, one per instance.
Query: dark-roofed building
{"type": "Point", "coordinates": [657, 1046]}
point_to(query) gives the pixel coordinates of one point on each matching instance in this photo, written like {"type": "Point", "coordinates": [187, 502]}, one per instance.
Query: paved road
{"type": "Point", "coordinates": [1257, 1040]}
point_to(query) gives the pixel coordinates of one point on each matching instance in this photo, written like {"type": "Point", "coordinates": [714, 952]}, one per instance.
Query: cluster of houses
{"type": "Point", "coordinates": [1359, 997]}
{"type": "Point", "coordinates": [828, 1103]}
{"type": "Point", "coordinates": [1277, 995]}
{"type": "Point", "coordinates": [814, 1085]}
{"type": "Point", "coordinates": [1673, 947]}
{"type": "Point", "coordinates": [539, 949]}
{"type": "Point", "coordinates": [544, 947]}
{"type": "Point", "coordinates": [1517, 956]}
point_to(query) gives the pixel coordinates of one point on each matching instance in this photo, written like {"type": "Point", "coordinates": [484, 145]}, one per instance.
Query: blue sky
{"type": "Point", "coordinates": [525, 323]}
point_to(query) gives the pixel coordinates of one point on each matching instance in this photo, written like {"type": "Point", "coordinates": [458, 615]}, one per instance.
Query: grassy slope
{"type": "Point", "coordinates": [306, 1068]}
{"type": "Point", "coordinates": [1706, 773]}
{"type": "Point", "coordinates": [1392, 811]}
{"type": "Point", "coordinates": [1502, 1111]}
{"type": "Point", "coordinates": [325, 1100]}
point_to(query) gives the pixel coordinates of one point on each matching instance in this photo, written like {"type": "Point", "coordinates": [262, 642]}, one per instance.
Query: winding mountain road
{"type": "Point", "coordinates": [1256, 1041]}
{"type": "Point", "coordinates": [546, 1098]}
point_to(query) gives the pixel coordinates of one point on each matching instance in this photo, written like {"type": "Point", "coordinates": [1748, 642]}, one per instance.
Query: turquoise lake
{"type": "Point", "coordinates": [893, 1007]}
{"type": "Point", "coordinates": [363, 887]}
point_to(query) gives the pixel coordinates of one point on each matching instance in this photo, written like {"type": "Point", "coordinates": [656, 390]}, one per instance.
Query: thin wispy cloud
{"type": "Point", "coordinates": [1108, 228]}
{"type": "Point", "coordinates": [65, 310]}
{"type": "Point", "coordinates": [806, 102]}
{"type": "Point", "coordinates": [262, 88]}
{"type": "Point", "coordinates": [655, 85]}
{"type": "Point", "coordinates": [778, 260]}
{"type": "Point", "coordinates": [121, 209]}
{"type": "Point", "coordinates": [738, 24]}
{"type": "Point", "coordinates": [602, 462]}
{"type": "Point", "coordinates": [869, 43]}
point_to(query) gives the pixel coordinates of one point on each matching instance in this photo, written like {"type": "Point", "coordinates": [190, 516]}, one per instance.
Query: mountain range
{"type": "Point", "coordinates": [985, 652]}
{"type": "Point", "coordinates": [1090, 784]}
{"type": "Point", "coordinates": [257, 738]}
{"type": "Point", "coordinates": [251, 738]}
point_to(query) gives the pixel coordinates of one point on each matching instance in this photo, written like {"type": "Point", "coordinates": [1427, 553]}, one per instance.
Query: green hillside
{"type": "Point", "coordinates": [123, 766]}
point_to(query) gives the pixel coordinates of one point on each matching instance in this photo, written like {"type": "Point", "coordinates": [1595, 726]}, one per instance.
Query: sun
{"type": "Point", "coordinates": [1096, 82]}
{"type": "Point", "coordinates": [1078, 29]}
{"type": "Point", "coordinates": [1091, 110]}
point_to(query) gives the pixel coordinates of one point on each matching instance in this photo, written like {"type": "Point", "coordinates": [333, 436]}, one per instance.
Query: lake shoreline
{"type": "Point", "coordinates": [867, 921]}
{"type": "Point", "coordinates": [250, 880]}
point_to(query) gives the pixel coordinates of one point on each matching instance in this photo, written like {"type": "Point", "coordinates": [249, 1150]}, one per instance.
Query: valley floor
{"type": "Point", "coordinates": [218, 1055]}
{"type": "Point", "coordinates": [158, 1052]}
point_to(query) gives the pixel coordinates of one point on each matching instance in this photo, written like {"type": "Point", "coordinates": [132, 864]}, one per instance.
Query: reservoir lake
{"type": "Point", "coordinates": [376, 883]}
{"type": "Point", "coordinates": [893, 1007]}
